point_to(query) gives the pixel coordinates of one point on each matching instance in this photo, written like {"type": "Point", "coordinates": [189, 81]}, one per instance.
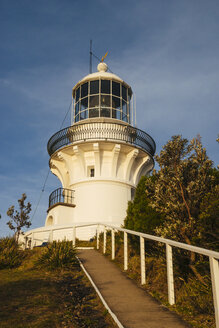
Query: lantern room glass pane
{"type": "Point", "coordinates": [77, 118]}
{"type": "Point", "coordinates": [124, 107]}
{"type": "Point", "coordinates": [94, 87]}
{"type": "Point", "coordinates": [77, 94]}
{"type": "Point", "coordinates": [105, 86]}
{"type": "Point", "coordinates": [84, 90]}
{"type": "Point", "coordinates": [116, 102]}
{"type": "Point", "coordinates": [118, 115]}
{"type": "Point", "coordinates": [94, 112]}
{"type": "Point", "coordinates": [105, 112]}
{"type": "Point", "coordinates": [77, 108]}
{"type": "Point", "coordinates": [129, 95]}
{"type": "Point", "coordinates": [124, 118]}
{"type": "Point", "coordinates": [84, 115]}
{"type": "Point", "coordinates": [105, 101]}
{"type": "Point", "coordinates": [84, 103]}
{"type": "Point", "coordinates": [116, 89]}
{"type": "Point", "coordinates": [94, 101]}
{"type": "Point", "coordinates": [124, 93]}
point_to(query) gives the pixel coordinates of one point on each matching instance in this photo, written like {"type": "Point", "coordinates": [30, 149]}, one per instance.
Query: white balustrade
{"type": "Point", "coordinates": [125, 251]}
{"type": "Point", "coordinates": [104, 240]}
{"type": "Point", "coordinates": [213, 256]}
{"type": "Point", "coordinates": [142, 255]}
{"type": "Point", "coordinates": [113, 243]}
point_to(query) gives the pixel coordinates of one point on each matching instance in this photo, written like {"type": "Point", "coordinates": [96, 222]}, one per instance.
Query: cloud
{"type": "Point", "coordinates": [167, 51]}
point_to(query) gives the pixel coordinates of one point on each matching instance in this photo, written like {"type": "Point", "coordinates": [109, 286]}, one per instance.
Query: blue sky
{"type": "Point", "coordinates": [166, 50]}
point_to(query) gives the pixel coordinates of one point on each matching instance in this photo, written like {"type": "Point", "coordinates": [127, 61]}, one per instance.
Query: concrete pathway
{"type": "Point", "coordinates": [133, 306]}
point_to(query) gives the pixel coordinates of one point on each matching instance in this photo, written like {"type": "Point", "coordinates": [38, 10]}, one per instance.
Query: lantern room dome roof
{"type": "Point", "coordinates": [102, 74]}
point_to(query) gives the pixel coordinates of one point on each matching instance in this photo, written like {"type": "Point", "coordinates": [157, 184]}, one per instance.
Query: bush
{"type": "Point", "coordinates": [58, 255]}
{"type": "Point", "coordinates": [196, 298]}
{"type": "Point", "coordinates": [10, 254]}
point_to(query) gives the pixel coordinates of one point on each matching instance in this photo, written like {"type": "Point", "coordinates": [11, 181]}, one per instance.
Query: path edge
{"type": "Point", "coordinates": [114, 317]}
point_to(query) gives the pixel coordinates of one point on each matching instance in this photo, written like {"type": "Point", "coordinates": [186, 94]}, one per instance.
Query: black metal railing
{"type": "Point", "coordinates": [101, 131]}
{"type": "Point", "coordinates": [62, 196]}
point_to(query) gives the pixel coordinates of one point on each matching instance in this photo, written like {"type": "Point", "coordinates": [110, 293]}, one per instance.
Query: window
{"type": "Point", "coordinates": [105, 101]}
{"type": "Point", "coordinates": [116, 89]}
{"type": "Point", "coordinates": [84, 103]}
{"type": "Point", "coordinates": [105, 86]}
{"type": "Point", "coordinates": [84, 90]}
{"type": "Point", "coordinates": [94, 101]}
{"type": "Point", "coordinates": [94, 87]}
{"type": "Point", "coordinates": [116, 102]}
{"type": "Point", "coordinates": [91, 172]}
{"type": "Point", "coordinates": [77, 94]}
{"type": "Point", "coordinates": [94, 112]}
{"type": "Point", "coordinates": [124, 93]}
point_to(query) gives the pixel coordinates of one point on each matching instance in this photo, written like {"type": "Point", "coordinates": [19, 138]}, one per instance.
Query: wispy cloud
{"type": "Point", "coordinates": [167, 51]}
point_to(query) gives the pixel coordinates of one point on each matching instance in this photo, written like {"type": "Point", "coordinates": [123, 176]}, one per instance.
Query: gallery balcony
{"type": "Point", "coordinates": [106, 131]}
{"type": "Point", "coordinates": [61, 196]}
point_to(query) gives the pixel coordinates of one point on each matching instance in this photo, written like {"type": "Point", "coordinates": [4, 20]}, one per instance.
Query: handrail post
{"type": "Point", "coordinates": [113, 243]}
{"type": "Point", "coordinates": [74, 236]}
{"type": "Point", "coordinates": [98, 236]}
{"type": "Point", "coordinates": [170, 278]}
{"type": "Point", "coordinates": [104, 240]}
{"type": "Point", "coordinates": [142, 254]}
{"type": "Point", "coordinates": [125, 251]}
{"type": "Point", "coordinates": [214, 267]}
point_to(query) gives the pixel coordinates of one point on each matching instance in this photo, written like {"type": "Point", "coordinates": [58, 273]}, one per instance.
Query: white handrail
{"type": "Point", "coordinates": [213, 256]}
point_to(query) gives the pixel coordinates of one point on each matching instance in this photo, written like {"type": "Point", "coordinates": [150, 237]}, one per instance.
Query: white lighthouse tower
{"type": "Point", "coordinates": [100, 158]}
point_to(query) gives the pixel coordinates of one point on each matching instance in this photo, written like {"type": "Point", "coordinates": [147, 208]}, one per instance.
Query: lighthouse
{"type": "Point", "coordinates": [99, 158]}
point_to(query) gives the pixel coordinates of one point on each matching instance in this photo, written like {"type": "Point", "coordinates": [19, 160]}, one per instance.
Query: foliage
{"type": "Point", "coordinates": [184, 179]}
{"type": "Point", "coordinates": [181, 183]}
{"type": "Point", "coordinates": [19, 219]}
{"type": "Point", "coordinates": [197, 297]}
{"type": "Point", "coordinates": [140, 215]}
{"type": "Point", "coordinates": [10, 254]}
{"type": "Point", "coordinates": [209, 219]}
{"type": "Point", "coordinates": [58, 255]}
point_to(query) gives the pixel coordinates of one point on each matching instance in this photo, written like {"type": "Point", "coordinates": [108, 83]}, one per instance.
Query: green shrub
{"type": "Point", "coordinates": [58, 255]}
{"type": "Point", "coordinates": [10, 254]}
{"type": "Point", "coordinates": [196, 297]}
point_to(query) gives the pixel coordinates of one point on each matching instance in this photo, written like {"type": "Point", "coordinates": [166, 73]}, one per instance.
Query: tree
{"type": "Point", "coordinates": [140, 215]}
{"type": "Point", "coordinates": [19, 219]}
{"type": "Point", "coordinates": [181, 184]}
{"type": "Point", "coordinates": [209, 215]}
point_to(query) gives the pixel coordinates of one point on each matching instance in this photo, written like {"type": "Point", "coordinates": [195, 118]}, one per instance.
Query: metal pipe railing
{"type": "Point", "coordinates": [61, 195]}
{"type": "Point", "coordinates": [212, 255]}
{"type": "Point", "coordinates": [101, 131]}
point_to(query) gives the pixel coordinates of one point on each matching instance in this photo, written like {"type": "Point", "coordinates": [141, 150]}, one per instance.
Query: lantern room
{"type": "Point", "coordinates": [102, 94]}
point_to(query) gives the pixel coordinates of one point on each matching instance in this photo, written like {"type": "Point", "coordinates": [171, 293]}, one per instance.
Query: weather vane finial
{"type": "Point", "coordinates": [104, 57]}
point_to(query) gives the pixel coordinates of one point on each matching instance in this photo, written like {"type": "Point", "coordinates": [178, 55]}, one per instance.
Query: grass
{"type": "Point", "coordinates": [37, 298]}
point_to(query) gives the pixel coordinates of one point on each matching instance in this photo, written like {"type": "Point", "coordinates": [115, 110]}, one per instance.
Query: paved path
{"type": "Point", "coordinates": [132, 305]}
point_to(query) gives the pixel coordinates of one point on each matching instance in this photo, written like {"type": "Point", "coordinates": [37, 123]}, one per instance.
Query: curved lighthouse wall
{"type": "Point", "coordinates": [104, 176]}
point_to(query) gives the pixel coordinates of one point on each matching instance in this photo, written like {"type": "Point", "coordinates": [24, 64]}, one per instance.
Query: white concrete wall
{"type": "Point", "coordinates": [104, 197]}
{"type": "Point", "coordinates": [60, 215]}
{"type": "Point", "coordinates": [101, 201]}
